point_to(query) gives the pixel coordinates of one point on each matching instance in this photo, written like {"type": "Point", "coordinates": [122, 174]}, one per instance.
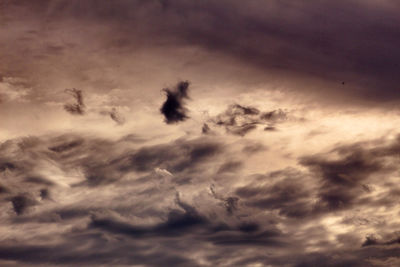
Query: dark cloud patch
{"type": "Point", "coordinates": [38, 180]}
{"type": "Point", "coordinates": [45, 193]}
{"type": "Point", "coordinates": [372, 240]}
{"type": "Point", "coordinates": [319, 259]}
{"type": "Point", "coordinates": [177, 156]}
{"type": "Point", "coordinates": [21, 203]}
{"type": "Point", "coordinates": [249, 227]}
{"type": "Point", "coordinates": [248, 236]}
{"type": "Point", "coordinates": [358, 257]}
{"type": "Point", "coordinates": [64, 214]}
{"type": "Point", "coordinates": [66, 146]}
{"type": "Point", "coordinates": [349, 170]}
{"type": "Point", "coordinates": [270, 128]}
{"type": "Point", "coordinates": [178, 223]}
{"type": "Point", "coordinates": [114, 115]}
{"type": "Point", "coordinates": [337, 181]}
{"type": "Point", "coordinates": [91, 249]}
{"type": "Point", "coordinates": [7, 166]}
{"type": "Point", "coordinates": [174, 109]}
{"type": "Point", "coordinates": [343, 173]}
{"type": "Point", "coordinates": [230, 167]}
{"type": "Point", "coordinates": [237, 119]}
{"type": "Point", "coordinates": [4, 189]}
{"type": "Point", "coordinates": [205, 129]}
{"type": "Point", "coordinates": [286, 195]}
{"type": "Point", "coordinates": [189, 222]}
{"type": "Point", "coordinates": [240, 120]}
{"type": "Point", "coordinates": [77, 108]}
{"type": "Point", "coordinates": [253, 147]}
{"type": "Point", "coordinates": [274, 116]}
{"type": "Point", "coordinates": [230, 203]}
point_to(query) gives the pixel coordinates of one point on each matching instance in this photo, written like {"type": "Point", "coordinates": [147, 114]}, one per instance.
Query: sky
{"type": "Point", "coordinates": [199, 133]}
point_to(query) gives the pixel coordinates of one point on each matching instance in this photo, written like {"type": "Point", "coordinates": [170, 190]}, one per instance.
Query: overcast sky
{"type": "Point", "coordinates": [199, 133]}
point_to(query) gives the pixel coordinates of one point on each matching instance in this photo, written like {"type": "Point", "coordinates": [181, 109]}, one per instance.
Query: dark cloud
{"type": "Point", "coordinates": [77, 108]}
{"type": "Point", "coordinates": [20, 203]}
{"type": "Point", "coordinates": [240, 120]}
{"type": "Point", "coordinates": [336, 181]}
{"type": "Point", "coordinates": [38, 180]}
{"type": "Point", "coordinates": [174, 109]}
{"type": "Point", "coordinates": [230, 203]}
{"type": "Point", "coordinates": [191, 222]}
{"type": "Point", "coordinates": [97, 251]}
{"type": "Point", "coordinates": [237, 119]}
{"type": "Point", "coordinates": [286, 194]}
{"type": "Point", "coordinates": [114, 115]}
{"type": "Point", "coordinates": [67, 145]}
{"type": "Point", "coordinates": [230, 166]}
{"type": "Point", "coordinates": [342, 180]}
{"type": "Point", "coordinates": [253, 147]}
{"type": "Point", "coordinates": [205, 129]}
{"type": "Point", "coordinates": [178, 157]}
{"type": "Point", "coordinates": [248, 238]}
{"type": "Point", "coordinates": [45, 193]}
{"type": "Point", "coordinates": [269, 128]}
{"type": "Point", "coordinates": [371, 240]}
{"type": "Point", "coordinates": [178, 223]}
{"type": "Point", "coordinates": [319, 259]}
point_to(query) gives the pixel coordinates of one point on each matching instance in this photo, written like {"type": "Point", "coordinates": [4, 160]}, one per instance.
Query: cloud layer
{"type": "Point", "coordinates": [181, 191]}
{"type": "Point", "coordinates": [282, 150]}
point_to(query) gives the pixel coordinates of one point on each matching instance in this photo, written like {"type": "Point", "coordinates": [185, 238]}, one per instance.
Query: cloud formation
{"type": "Point", "coordinates": [173, 108]}
{"type": "Point", "coordinates": [114, 115]}
{"type": "Point", "coordinates": [243, 174]}
{"type": "Point", "coordinates": [240, 120]}
{"type": "Point", "coordinates": [161, 193]}
{"type": "Point", "coordinates": [77, 108]}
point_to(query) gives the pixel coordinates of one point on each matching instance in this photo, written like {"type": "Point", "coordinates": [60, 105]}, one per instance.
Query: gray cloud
{"type": "Point", "coordinates": [331, 185]}
{"type": "Point", "coordinates": [114, 115]}
{"type": "Point", "coordinates": [173, 108]}
{"type": "Point", "coordinates": [343, 180]}
{"type": "Point", "coordinates": [240, 120]}
{"type": "Point", "coordinates": [77, 108]}
{"type": "Point", "coordinates": [140, 205]}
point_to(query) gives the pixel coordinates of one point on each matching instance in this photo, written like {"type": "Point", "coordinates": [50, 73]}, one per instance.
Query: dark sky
{"type": "Point", "coordinates": [199, 133]}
